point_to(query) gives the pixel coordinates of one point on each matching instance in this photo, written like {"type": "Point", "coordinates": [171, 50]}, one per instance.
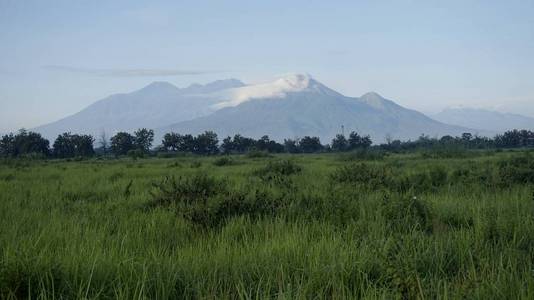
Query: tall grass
{"type": "Point", "coordinates": [310, 226]}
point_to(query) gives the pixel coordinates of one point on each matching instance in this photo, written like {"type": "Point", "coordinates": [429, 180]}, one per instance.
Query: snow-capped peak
{"type": "Point", "coordinates": [278, 88]}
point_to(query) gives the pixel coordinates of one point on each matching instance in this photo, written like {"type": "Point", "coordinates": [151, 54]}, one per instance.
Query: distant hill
{"type": "Point", "coordinates": [156, 105]}
{"type": "Point", "coordinates": [485, 119]}
{"type": "Point", "coordinates": [289, 107]}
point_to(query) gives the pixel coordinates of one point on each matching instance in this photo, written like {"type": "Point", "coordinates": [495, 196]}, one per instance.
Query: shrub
{"type": "Point", "coordinates": [362, 175]}
{"type": "Point", "coordinates": [209, 202]}
{"type": "Point", "coordinates": [186, 190]}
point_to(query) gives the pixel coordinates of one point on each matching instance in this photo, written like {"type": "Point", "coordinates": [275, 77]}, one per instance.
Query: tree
{"type": "Point", "coordinates": [340, 143]}
{"type": "Point", "coordinates": [227, 145]}
{"type": "Point", "coordinates": [206, 143]}
{"type": "Point", "coordinates": [143, 139]}
{"type": "Point", "coordinates": [71, 145]}
{"type": "Point", "coordinates": [171, 141]}
{"type": "Point", "coordinates": [84, 145]}
{"type": "Point", "coordinates": [310, 144]}
{"type": "Point", "coordinates": [7, 145]}
{"type": "Point", "coordinates": [357, 142]}
{"type": "Point", "coordinates": [121, 143]}
{"type": "Point", "coordinates": [266, 144]}
{"type": "Point", "coordinates": [24, 142]}
{"type": "Point", "coordinates": [291, 146]}
{"type": "Point", "coordinates": [187, 143]}
{"type": "Point", "coordinates": [467, 136]}
{"type": "Point", "coordinates": [63, 146]}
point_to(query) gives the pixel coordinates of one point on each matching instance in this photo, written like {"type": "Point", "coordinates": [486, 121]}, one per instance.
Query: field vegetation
{"type": "Point", "coordinates": [362, 224]}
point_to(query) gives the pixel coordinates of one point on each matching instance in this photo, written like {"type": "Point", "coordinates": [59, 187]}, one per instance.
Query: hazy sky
{"type": "Point", "coordinates": [56, 57]}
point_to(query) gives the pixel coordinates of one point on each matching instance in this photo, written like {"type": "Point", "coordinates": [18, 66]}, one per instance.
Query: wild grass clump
{"type": "Point", "coordinates": [404, 214]}
{"type": "Point", "coordinates": [195, 164]}
{"type": "Point", "coordinates": [7, 177]}
{"type": "Point", "coordinates": [278, 168]}
{"type": "Point", "coordinates": [363, 154]}
{"type": "Point", "coordinates": [116, 176]}
{"type": "Point", "coordinates": [447, 152]}
{"type": "Point", "coordinates": [258, 154]}
{"type": "Point", "coordinates": [362, 175]}
{"type": "Point", "coordinates": [429, 180]}
{"type": "Point", "coordinates": [517, 170]}
{"type": "Point", "coordinates": [223, 161]}
{"type": "Point", "coordinates": [175, 164]}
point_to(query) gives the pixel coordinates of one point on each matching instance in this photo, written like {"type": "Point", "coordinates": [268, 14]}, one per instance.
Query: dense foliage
{"type": "Point", "coordinates": [139, 144]}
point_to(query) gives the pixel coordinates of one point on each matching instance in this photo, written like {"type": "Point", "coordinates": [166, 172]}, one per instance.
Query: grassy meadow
{"type": "Point", "coordinates": [356, 225]}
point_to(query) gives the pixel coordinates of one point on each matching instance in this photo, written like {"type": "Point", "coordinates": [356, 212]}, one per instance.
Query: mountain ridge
{"type": "Point", "coordinates": [291, 106]}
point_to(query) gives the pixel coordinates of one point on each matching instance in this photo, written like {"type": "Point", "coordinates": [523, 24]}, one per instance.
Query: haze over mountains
{"type": "Point", "coordinates": [289, 107]}
{"type": "Point", "coordinates": [484, 119]}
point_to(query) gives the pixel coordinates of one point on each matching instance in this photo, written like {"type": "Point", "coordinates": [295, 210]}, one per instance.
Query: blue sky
{"type": "Point", "coordinates": [56, 57]}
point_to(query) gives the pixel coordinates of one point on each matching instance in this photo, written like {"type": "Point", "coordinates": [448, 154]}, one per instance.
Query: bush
{"type": "Point", "coordinates": [186, 190]}
{"type": "Point", "coordinates": [209, 202]}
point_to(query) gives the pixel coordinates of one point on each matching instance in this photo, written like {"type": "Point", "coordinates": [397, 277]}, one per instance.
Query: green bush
{"type": "Point", "coordinates": [209, 202]}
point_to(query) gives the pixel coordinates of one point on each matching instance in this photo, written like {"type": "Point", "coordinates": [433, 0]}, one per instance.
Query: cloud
{"type": "Point", "coordinates": [126, 72]}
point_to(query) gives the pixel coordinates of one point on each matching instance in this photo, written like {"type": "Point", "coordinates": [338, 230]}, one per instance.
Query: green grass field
{"type": "Point", "coordinates": [285, 226]}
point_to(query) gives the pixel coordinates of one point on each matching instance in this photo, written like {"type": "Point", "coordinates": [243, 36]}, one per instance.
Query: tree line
{"type": "Point", "coordinates": [138, 144]}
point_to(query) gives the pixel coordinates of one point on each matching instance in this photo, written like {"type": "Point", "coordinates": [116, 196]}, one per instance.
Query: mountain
{"type": "Point", "coordinates": [156, 105]}
{"type": "Point", "coordinates": [298, 105]}
{"type": "Point", "coordinates": [484, 119]}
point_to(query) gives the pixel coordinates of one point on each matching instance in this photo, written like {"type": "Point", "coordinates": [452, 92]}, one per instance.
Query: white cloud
{"type": "Point", "coordinates": [275, 89]}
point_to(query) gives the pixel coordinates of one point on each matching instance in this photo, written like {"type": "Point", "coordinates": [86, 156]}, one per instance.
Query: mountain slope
{"type": "Point", "coordinates": [155, 105]}
{"type": "Point", "coordinates": [310, 108]}
{"type": "Point", "coordinates": [485, 119]}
